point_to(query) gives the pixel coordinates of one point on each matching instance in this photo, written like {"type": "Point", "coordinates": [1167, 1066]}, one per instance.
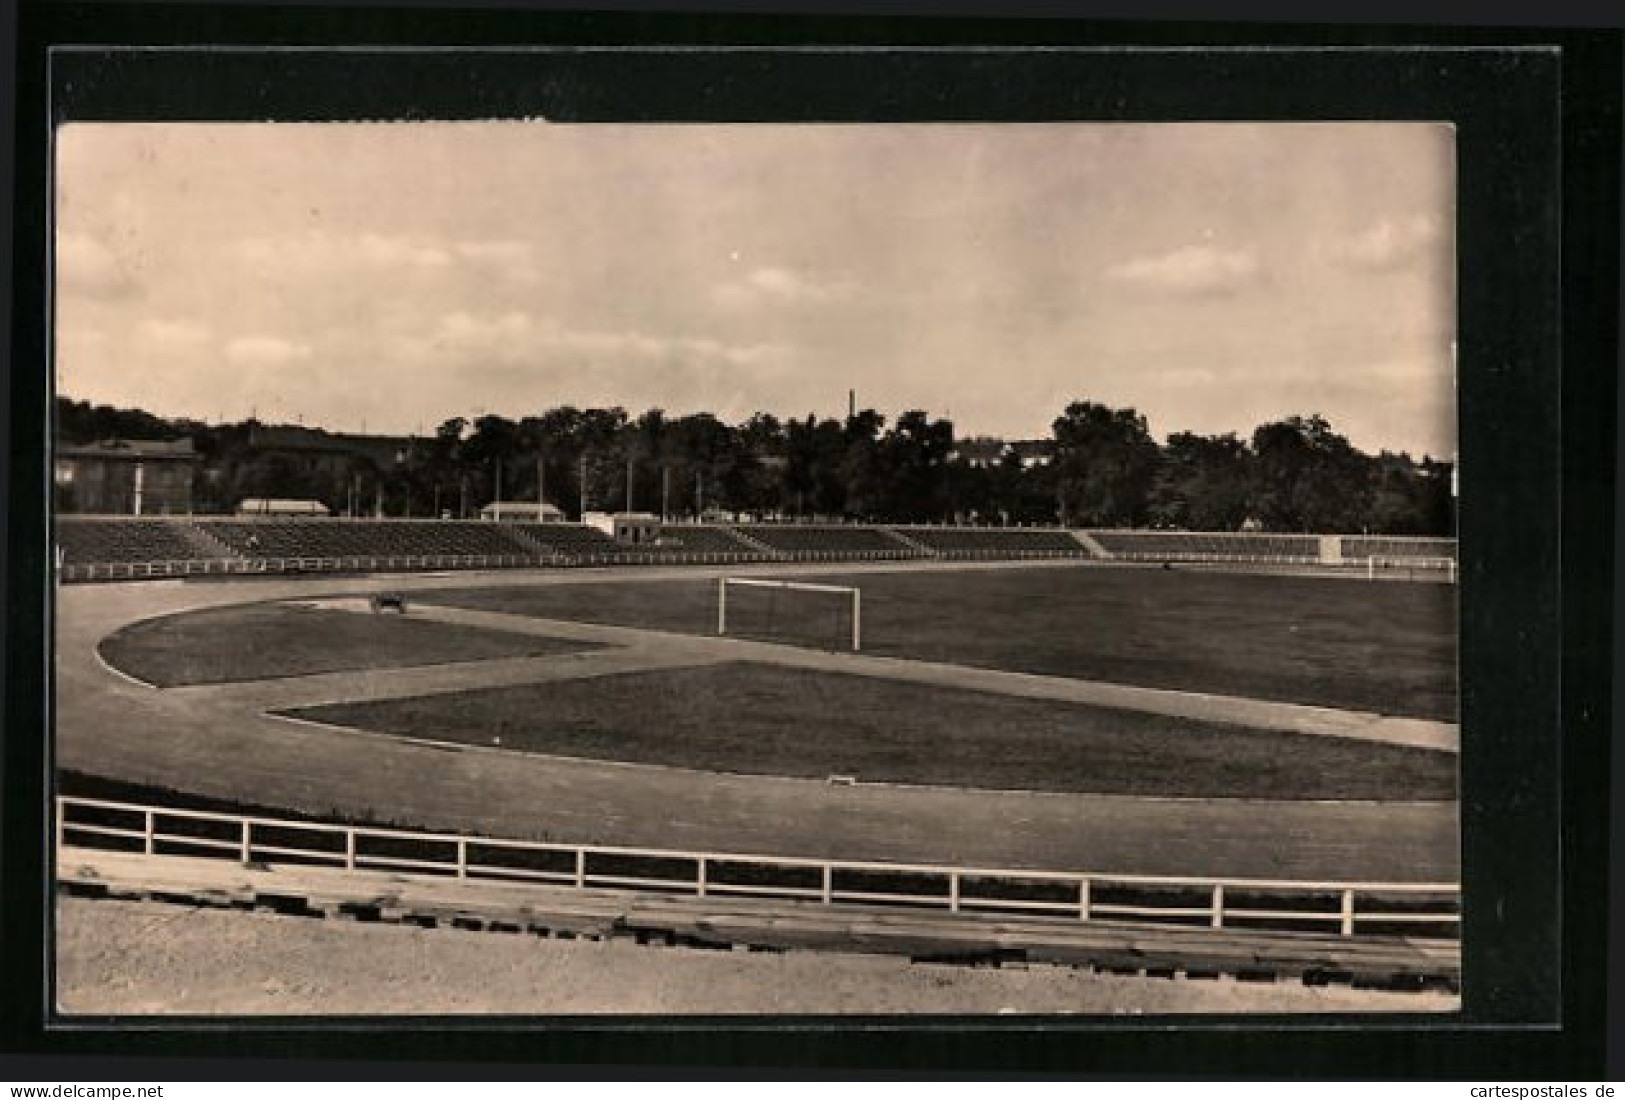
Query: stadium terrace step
{"type": "Point", "coordinates": [993, 542]}
{"type": "Point", "coordinates": [825, 541]}
{"type": "Point", "coordinates": [205, 543]}
{"type": "Point", "coordinates": [349, 538]}
{"type": "Point", "coordinates": [129, 540]}
{"type": "Point", "coordinates": [912, 544]}
{"type": "Point", "coordinates": [429, 900]}
{"type": "Point", "coordinates": [522, 542]}
{"type": "Point", "coordinates": [572, 540]}
{"type": "Point", "coordinates": [708, 539]}
{"type": "Point", "coordinates": [753, 542]}
{"type": "Point", "coordinates": [1090, 544]}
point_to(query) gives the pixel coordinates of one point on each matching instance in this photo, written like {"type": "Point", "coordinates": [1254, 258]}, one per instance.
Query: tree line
{"type": "Point", "coordinates": [1099, 467]}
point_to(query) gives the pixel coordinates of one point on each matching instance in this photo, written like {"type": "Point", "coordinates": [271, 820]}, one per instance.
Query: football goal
{"type": "Point", "coordinates": [828, 615]}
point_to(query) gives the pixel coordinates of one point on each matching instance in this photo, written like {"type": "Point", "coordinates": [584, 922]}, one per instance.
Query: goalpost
{"type": "Point", "coordinates": [791, 586]}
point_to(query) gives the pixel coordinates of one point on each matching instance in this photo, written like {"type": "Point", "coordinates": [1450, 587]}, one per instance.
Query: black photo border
{"type": "Point", "coordinates": [1537, 122]}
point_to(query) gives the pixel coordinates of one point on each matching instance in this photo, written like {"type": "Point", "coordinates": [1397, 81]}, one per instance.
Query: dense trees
{"type": "Point", "coordinates": [1100, 467]}
{"type": "Point", "coordinates": [1105, 462]}
{"type": "Point", "coordinates": [1203, 483]}
{"type": "Point", "coordinates": [1308, 478]}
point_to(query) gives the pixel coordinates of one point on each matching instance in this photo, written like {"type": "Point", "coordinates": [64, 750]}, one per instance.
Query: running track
{"type": "Point", "coordinates": [216, 741]}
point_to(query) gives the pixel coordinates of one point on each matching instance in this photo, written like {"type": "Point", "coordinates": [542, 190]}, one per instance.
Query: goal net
{"type": "Point", "coordinates": [798, 612]}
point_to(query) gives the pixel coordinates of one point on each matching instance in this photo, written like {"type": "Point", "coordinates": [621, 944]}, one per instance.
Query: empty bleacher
{"type": "Point", "coordinates": [694, 538]}
{"type": "Point", "coordinates": [571, 540]}
{"type": "Point", "coordinates": [994, 542]}
{"type": "Point", "coordinates": [1396, 548]}
{"type": "Point", "coordinates": [1208, 546]}
{"type": "Point", "coordinates": [115, 547]}
{"type": "Point", "coordinates": [116, 540]}
{"type": "Point", "coordinates": [809, 542]}
{"type": "Point", "coordinates": [336, 538]}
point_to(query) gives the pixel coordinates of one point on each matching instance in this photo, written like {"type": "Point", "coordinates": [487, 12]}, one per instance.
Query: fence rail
{"type": "Point", "coordinates": [1352, 908]}
{"type": "Point", "coordinates": [384, 563]}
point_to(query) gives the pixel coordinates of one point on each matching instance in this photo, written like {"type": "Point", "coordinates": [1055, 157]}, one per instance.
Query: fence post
{"type": "Point", "coordinates": [1083, 899]}
{"type": "Point", "coordinates": [722, 606]}
{"type": "Point", "coordinates": [147, 830]}
{"type": "Point", "coordinates": [581, 867]}
{"type": "Point", "coordinates": [462, 858]}
{"type": "Point", "coordinates": [61, 823]}
{"type": "Point", "coordinates": [953, 891]}
{"type": "Point", "coordinates": [247, 840]}
{"type": "Point", "coordinates": [1370, 568]}
{"type": "Point", "coordinates": [700, 879]}
{"type": "Point", "coordinates": [349, 849]}
{"type": "Point", "coordinates": [1218, 905]}
{"type": "Point", "coordinates": [857, 618]}
{"type": "Point", "coordinates": [1348, 912]}
{"type": "Point", "coordinates": [828, 884]}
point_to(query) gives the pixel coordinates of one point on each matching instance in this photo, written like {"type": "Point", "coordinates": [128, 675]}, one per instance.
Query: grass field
{"type": "Point", "coordinates": [1384, 647]}
{"type": "Point", "coordinates": [263, 641]}
{"type": "Point", "coordinates": [771, 720]}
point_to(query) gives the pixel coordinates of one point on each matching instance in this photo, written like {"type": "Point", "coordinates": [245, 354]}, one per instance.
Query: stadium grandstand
{"type": "Point", "coordinates": [129, 541]}
{"type": "Point", "coordinates": [813, 541]}
{"type": "Point", "coordinates": [569, 539]}
{"type": "Point", "coordinates": [994, 542]}
{"type": "Point", "coordinates": [703, 539]}
{"type": "Point", "coordinates": [295, 538]}
{"type": "Point", "coordinates": [117, 547]}
{"type": "Point", "coordinates": [1206, 546]}
{"type": "Point", "coordinates": [1361, 547]}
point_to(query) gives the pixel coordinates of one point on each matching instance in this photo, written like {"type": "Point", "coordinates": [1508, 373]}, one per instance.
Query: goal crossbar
{"type": "Point", "coordinates": [796, 586]}
{"type": "Point", "coordinates": [803, 586]}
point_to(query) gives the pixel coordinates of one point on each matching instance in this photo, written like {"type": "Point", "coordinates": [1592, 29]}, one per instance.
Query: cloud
{"type": "Point", "coordinates": [1389, 245]}
{"type": "Point", "coordinates": [326, 252]}
{"type": "Point", "coordinates": [477, 331]}
{"type": "Point", "coordinates": [87, 265]}
{"type": "Point", "coordinates": [165, 331]}
{"type": "Point", "coordinates": [638, 345]}
{"type": "Point", "coordinates": [778, 286]}
{"type": "Point", "coordinates": [516, 338]}
{"type": "Point", "coordinates": [265, 351]}
{"type": "Point", "coordinates": [1192, 270]}
{"type": "Point", "coordinates": [515, 259]}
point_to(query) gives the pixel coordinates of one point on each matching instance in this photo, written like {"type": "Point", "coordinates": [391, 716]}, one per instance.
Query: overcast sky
{"type": "Point", "coordinates": [1211, 276]}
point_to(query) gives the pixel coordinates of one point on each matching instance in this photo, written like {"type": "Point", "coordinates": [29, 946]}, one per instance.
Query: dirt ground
{"type": "Point", "coordinates": [153, 958]}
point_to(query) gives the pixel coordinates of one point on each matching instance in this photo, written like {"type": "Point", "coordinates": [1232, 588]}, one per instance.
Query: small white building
{"type": "Point", "coordinates": [271, 506]}
{"type": "Point", "coordinates": [630, 528]}
{"type": "Point", "coordinates": [521, 511]}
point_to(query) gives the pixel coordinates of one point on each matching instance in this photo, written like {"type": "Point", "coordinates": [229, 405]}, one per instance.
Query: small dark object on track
{"type": "Point", "coordinates": [388, 601]}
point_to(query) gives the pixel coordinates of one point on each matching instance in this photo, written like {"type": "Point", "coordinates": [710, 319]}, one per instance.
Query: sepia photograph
{"type": "Point", "coordinates": [928, 569]}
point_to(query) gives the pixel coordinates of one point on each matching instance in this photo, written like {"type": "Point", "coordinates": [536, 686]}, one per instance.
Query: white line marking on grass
{"type": "Point", "coordinates": [131, 678]}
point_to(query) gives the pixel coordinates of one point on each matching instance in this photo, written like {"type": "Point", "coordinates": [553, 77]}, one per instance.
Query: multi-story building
{"type": "Point", "coordinates": [138, 477]}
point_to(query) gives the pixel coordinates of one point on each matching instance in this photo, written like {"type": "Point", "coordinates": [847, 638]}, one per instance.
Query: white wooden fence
{"type": "Point", "coordinates": [400, 563]}
{"type": "Point", "coordinates": [1429, 910]}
